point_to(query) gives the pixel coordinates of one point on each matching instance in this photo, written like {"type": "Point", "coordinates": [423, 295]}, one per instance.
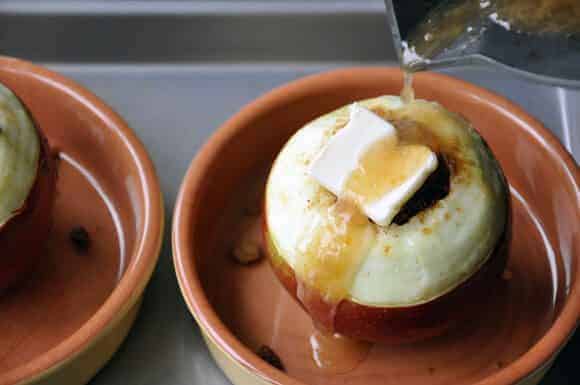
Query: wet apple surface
{"type": "Point", "coordinates": [413, 278]}
{"type": "Point", "coordinates": [28, 171]}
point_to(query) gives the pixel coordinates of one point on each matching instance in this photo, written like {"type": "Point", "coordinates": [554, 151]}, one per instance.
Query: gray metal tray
{"type": "Point", "coordinates": [176, 70]}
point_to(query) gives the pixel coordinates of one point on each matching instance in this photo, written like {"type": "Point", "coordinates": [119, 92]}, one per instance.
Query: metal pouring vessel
{"type": "Point", "coordinates": [536, 39]}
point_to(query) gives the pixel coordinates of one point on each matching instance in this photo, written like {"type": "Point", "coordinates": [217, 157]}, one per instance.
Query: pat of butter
{"type": "Point", "coordinates": [342, 156]}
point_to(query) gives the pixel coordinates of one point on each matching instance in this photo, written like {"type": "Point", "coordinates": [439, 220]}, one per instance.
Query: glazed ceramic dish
{"type": "Point", "coordinates": [63, 323]}
{"type": "Point", "coordinates": [240, 308]}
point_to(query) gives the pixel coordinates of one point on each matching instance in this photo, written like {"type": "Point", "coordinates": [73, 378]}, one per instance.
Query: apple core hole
{"type": "Point", "coordinates": [435, 188]}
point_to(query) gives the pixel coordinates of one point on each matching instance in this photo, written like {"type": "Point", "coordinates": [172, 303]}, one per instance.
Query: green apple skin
{"type": "Point", "coordinates": [403, 324]}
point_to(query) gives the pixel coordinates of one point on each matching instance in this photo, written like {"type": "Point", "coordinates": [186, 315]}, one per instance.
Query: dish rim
{"type": "Point", "coordinates": [146, 254]}
{"type": "Point", "coordinates": [526, 365]}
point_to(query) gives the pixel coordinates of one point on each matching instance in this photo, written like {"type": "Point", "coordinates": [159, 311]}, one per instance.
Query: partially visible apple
{"type": "Point", "coordinates": [25, 228]}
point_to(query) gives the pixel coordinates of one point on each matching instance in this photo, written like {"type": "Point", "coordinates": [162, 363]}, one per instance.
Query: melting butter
{"type": "Point", "coordinates": [366, 161]}
{"type": "Point", "coordinates": [384, 167]}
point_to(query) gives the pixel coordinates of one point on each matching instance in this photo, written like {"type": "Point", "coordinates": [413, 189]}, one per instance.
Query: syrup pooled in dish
{"type": "Point", "coordinates": [336, 354]}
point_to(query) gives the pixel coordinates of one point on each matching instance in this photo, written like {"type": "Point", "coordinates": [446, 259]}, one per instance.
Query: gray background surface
{"type": "Point", "coordinates": [176, 70]}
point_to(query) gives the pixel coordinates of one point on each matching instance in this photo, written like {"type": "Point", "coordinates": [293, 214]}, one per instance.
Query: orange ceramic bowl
{"type": "Point", "coordinates": [238, 308]}
{"type": "Point", "coordinates": [66, 320]}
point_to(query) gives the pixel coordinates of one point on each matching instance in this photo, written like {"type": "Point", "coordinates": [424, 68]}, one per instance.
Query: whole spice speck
{"type": "Point", "coordinates": [268, 355]}
{"type": "Point", "coordinates": [80, 239]}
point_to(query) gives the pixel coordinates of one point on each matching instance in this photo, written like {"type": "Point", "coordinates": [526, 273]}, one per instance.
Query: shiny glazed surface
{"type": "Point", "coordinates": [529, 155]}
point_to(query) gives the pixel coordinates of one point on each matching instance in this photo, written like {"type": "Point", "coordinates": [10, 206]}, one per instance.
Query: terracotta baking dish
{"type": "Point", "coordinates": [239, 308]}
{"type": "Point", "coordinates": [64, 322]}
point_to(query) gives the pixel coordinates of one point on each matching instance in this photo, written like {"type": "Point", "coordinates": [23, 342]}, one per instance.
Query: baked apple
{"type": "Point", "coordinates": [431, 264]}
{"type": "Point", "coordinates": [27, 189]}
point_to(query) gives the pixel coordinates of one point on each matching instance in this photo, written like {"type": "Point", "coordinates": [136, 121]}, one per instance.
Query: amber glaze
{"type": "Point", "coordinates": [331, 259]}
{"type": "Point", "coordinates": [336, 354]}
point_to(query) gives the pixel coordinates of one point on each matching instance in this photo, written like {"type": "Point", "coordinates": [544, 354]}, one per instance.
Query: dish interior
{"type": "Point", "coordinates": [99, 190]}
{"type": "Point", "coordinates": [258, 311]}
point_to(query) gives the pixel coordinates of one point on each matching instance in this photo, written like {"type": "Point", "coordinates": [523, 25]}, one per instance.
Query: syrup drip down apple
{"type": "Point", "coordinates": [388, 171]}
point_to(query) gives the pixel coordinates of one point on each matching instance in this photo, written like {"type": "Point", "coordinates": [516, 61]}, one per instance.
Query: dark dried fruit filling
{"type": "Point", "coordinates": [435, 188]}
